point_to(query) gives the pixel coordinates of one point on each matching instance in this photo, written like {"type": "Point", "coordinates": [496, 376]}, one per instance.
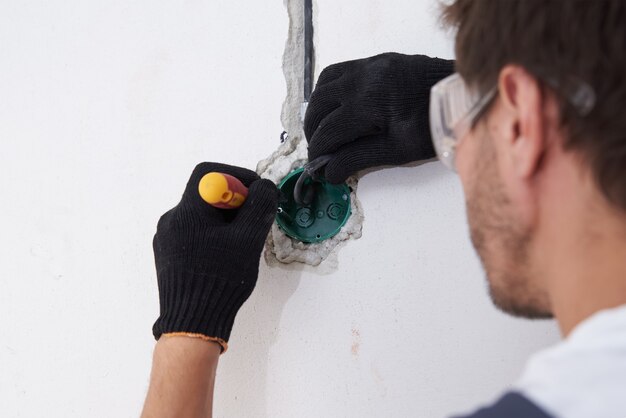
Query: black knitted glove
{"type": "Point", "coordinates": [207, 259]}
{"type": "Point", "coordinates": [373, 112]}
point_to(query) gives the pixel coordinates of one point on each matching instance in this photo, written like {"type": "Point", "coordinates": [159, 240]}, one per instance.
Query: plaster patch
{"type": "Point", "coordinates": [292, 154]}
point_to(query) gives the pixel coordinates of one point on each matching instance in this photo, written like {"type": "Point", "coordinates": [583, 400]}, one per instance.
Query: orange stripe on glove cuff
{"type": "Point", "coordinates": [221, 342]}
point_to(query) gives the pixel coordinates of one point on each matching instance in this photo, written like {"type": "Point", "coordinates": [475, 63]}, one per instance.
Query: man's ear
{"type": "Point", "coordinates": [522, 98]}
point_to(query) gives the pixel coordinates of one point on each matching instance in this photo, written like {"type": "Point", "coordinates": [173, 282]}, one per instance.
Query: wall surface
{"type": "Point", "coordinates": [105, 109]}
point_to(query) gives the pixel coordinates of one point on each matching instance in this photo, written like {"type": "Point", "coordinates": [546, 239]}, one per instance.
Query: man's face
{"type": "Point", "coordinates": [503, 242]}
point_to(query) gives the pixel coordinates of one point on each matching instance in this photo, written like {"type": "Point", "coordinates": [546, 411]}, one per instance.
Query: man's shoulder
{"type": "Point", "coordinates": [511, 405]}
{"type": "Point", "coordinates": [580, 377]}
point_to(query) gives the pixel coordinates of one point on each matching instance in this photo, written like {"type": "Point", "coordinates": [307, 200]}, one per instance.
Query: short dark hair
{"type": "Point", "coordinates": [558, 39]}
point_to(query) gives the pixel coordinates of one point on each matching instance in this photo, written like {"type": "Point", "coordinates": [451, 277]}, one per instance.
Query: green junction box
{"type": "Point", "coordinates": [319, 221]}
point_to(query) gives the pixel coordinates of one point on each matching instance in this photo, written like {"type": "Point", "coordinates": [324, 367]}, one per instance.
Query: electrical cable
{"type": "Point", "coordinates": [302, 197]}
{"type": "Point", "coordinates": [310, 169]}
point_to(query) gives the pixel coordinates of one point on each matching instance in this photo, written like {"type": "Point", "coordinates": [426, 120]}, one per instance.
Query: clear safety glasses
{"type": "Point", "coordinates": [455, 108]}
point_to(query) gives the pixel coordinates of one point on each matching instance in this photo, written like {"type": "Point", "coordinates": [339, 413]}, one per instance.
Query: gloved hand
{"type": "Point", "coordinates": [373, 112]}
{"type": "Point", "coordinates": [207, 259]}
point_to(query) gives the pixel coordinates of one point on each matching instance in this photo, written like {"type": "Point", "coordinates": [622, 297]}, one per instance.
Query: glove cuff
{"type": "Point", "coordinates": [200, 305]}
{"type": "Point", "coordinates": [435, 69]}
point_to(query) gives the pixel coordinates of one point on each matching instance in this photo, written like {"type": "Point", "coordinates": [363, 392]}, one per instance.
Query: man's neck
{"type": "Point", "coordinates": [586, 267]}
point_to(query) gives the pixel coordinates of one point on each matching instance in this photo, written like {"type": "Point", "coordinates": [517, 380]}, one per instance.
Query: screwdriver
{"type": "Point", "coordinates": [222, 190]}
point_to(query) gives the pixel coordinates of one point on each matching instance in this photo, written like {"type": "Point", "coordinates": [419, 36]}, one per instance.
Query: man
{"type": "Point", "coordinates": [534, 124]}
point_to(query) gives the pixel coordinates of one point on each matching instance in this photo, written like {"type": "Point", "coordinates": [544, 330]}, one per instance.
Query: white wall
{"type": "Point", "coordinates": [105, 107]}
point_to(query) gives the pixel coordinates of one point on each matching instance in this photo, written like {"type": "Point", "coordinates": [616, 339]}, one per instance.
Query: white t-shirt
{"type": "Point", "coordinates": [584, 376]}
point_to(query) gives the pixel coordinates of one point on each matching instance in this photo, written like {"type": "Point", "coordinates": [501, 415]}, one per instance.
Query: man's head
{"type": "Point", "coordinates": [536, 166]}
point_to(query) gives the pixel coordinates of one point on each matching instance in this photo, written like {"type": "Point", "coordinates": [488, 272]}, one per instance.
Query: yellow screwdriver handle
{"type": "Point", "coordinates": [222, 190]}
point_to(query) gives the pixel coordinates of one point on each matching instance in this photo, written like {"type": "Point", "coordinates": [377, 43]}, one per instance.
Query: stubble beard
{"type": "Point", "coordinates": [501, 243]}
